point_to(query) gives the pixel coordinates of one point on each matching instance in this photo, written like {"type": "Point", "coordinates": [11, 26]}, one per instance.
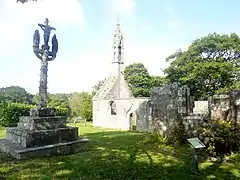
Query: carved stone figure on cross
{"type": "Point", "coordinates": [47, 30]}
{"type": "Point", "coordinates": [50, 54]}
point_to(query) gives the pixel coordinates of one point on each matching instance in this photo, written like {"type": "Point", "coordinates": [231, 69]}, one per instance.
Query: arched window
{"type": "Point", "coordinates": [113, 109]}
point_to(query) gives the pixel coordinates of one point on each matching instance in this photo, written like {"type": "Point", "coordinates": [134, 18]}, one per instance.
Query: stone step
{"type": "Point", "coordinates": [19, 152]}
{"type": "Point", "coordinates": [41, 123]}
{"type": "Point", "coordinates": [29, 139]}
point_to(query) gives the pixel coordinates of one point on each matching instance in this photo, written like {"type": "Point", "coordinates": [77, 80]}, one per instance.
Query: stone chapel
{"type": "Point", "coordinates": [114, 105]}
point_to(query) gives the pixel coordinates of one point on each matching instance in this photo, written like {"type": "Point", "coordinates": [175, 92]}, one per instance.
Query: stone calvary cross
{"type": "Point", "coordinates": [43, 133]}
{"type": "Point", "coordinates": [44, 54]}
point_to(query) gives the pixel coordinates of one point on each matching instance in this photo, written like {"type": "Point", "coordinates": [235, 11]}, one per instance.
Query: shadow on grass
{"type": "Point", "coordinates": [117, 155]}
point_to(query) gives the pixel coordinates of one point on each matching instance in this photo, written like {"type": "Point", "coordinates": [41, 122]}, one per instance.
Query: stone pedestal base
{"type": "Point", "coordinates": [41, 136]}
{"type": "Point", "coordinates": [19, 152]}
{"type": "Point", "coordinates": [43, 112]}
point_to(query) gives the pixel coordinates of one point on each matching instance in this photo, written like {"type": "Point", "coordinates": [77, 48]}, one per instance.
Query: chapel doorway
{"type": "Point", "coordinates": [132, 121]}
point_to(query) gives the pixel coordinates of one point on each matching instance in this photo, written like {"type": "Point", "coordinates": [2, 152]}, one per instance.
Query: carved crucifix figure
{"type": "Point", "coordinates": [47, 30]}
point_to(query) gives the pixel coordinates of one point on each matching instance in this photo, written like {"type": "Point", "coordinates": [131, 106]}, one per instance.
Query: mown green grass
{"type": "Point", "coordinates": [120, 155]}
{"type": "Point", "coordinates": [2, 132]}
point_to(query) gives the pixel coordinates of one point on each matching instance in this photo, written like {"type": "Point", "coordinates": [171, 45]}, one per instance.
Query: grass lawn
{"type": "Point", "coordinates": [119, 155]}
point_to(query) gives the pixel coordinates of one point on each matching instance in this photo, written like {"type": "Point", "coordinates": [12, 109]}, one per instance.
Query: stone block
{"type": "Point", "coordinates": [221, 96]}
{"type": "Point", "coordinates": [19, 152]}
{"type": "Point", "coordinates": [41, 123]}
{"type": "Point", "coordinates": [29, 139]}
{"type": "Point", "coordinates": [41, 136]}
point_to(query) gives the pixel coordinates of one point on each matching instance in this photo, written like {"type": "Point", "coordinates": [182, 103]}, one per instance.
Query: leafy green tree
{"type": "Point", "coordinates": [210, 64]}
{"type": "Point", "coordinates": [15, 94]}
{"type": "Point", "coordinates": [157, 81]}
{"type": "Point", "coordinates": [138, 79]}
{"type": "Point", "coordinates": [58, 100]}
{"type": "Point", "coordinates": [81, 105]}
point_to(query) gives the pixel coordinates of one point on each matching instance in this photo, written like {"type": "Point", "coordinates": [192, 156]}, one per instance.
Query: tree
{"type": "Point", "coordinates": [158, 81]}
{"type": "Point", "coordinates": [58, 100]}
{"type": "Point", "coordinates": [210, 64]}
{"type": "Point", "coordinates": [15, 94]}
{"type": "Point", "coordinates": [81, 105]}
{"type": "Point", "coordinates": [25, 1]}
{"type": "Point", "coordinates": [138, 79]}
{"type": "Point", "coordinates": [97, 86]}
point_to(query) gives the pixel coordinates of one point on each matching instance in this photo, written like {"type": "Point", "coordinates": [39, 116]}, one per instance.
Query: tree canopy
{"type": "Point", "coordinates": [15, 94]}
{"type": "Point", "coordinates": [81, 105]}
{"type": "Point", "coordinates": [138, 79]}
{"type": "Point", "coordinates": [210, 64]}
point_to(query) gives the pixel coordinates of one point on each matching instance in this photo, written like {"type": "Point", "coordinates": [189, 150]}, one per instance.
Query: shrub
{"type": "Point", "coordinates": [10, 112]}
{"type": "Point", "coordinates": [177, 134]}
{"type": "Point", "coordinates": [220, 137]}
{"type": "Point", "coordinates": [62, 111]}
{"type": "Point", "coordinates": [154, 138]}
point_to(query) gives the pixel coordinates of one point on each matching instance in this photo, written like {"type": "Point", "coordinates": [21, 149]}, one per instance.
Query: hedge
{"type": "Point", "coordinates": [10, 112]}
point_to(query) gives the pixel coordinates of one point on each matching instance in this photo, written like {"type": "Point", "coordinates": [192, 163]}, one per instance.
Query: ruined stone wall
{"type": "Point", "coordinates": [168, 104]}
{"type": "Point", "coordinates": [201, 107]}
{"type": "Point", "coordinates": [226, 106]}
{"type": "Point", "coordinates": [142, 109]}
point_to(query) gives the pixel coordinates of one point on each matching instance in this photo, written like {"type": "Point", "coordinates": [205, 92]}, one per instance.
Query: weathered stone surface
{"type": "Point", "coordinates": [29, 139]}
{"type": "Point", "coordinates": [43, 112]}
{"type": "Point", "coordinates": [41, 123]}
{"type": "Point", "coordinates": [41, 136]}
{"type": "Point", "coordinates": [192, 122]}
{"type": "Point", "coordinates": [226, 106]}
{"type": "Point", "coordinates": [19, 152]}
{"type": "Point", "coordinates": [168, 103]}
{"type": "Point", "coordinates": [201, 107]}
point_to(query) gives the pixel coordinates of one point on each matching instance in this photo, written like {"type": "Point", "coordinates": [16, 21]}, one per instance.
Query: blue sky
{"type": "Point", "coordinates": [152, 29]}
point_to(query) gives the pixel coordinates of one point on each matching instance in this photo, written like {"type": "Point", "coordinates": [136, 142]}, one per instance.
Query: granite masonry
{"type": "Point", "coordinates": [42, 133]}
{"type": "Point", "coordinates": [226, 106]}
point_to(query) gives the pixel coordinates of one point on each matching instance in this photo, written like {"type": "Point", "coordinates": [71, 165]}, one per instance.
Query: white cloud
{"type": "Point", "coordinates": [58, 11]}
{"type": "Point", "coordinates": [151, 55]}
{"type": "Point", "coordinates": [122, 6]}
{"type": "Point", "coordinates": [74, 72]}
{"type": "Point", "coordinates": [87, 68]}
{"type": "Point", "coordinates": [17, 19]}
